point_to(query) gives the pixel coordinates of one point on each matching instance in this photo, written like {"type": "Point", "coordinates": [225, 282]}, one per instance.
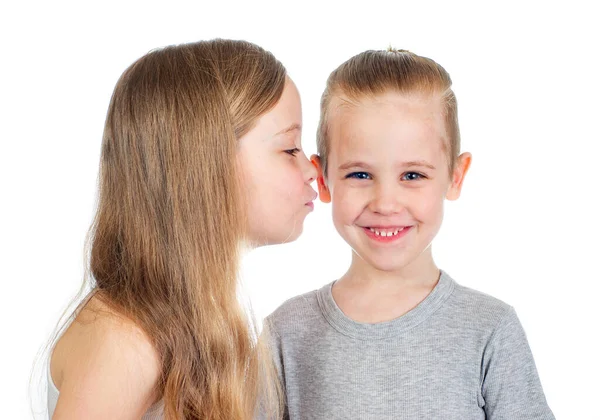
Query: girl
{"type": "Point", "coordinates": [190, 134]}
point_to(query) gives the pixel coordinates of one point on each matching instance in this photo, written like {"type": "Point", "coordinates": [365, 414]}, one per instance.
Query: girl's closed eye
{"type": "Point", "coordinates": [293, 151]}
{"type": "Point", "coordinates": [358, 175]}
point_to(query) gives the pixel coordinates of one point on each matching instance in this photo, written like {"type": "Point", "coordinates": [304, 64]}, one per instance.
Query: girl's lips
{"type": "Point", "coordinates": [310, 203]}
{"type": "Point", "coordinates": [387, 234]}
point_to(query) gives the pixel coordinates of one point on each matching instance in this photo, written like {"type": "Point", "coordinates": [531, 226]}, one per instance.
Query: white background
{"type": "Point", "coordinates": [525, 230]}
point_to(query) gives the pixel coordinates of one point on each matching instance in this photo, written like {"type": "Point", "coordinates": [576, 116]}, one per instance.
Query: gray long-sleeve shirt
{"type": "Point", "coordinates": [459, 354]}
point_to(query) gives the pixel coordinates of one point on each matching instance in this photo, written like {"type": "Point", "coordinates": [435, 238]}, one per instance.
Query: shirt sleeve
{"type": "Point", "coordinates": [511, 388]}
{"type": "Point", "coordinates": [273, 340]}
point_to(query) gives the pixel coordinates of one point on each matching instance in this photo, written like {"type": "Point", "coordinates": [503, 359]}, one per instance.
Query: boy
{"type": "Point", "coordinates": [395, 337]}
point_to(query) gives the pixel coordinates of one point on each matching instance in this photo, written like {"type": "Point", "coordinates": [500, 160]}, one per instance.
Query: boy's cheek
{"type": "Point", "coordinates": [348, 196]}
{"type": "Point", "coordinates": [430, 207]}
{"type": "Point", "coordinates": [348, 206]}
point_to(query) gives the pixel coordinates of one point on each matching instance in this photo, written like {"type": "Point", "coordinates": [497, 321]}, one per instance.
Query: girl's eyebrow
{"type": "Point", "coordinates": [294, 126]}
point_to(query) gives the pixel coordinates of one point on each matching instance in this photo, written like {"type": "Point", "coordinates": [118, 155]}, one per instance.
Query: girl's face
{"type": "Point", "coordinates": [276, 174]}
{"type": "Point", "coordinates": [388, 177]}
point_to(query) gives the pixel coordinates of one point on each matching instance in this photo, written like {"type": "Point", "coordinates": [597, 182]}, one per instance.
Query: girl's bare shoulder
{"type": "Point", "coordinates": [104, 363]}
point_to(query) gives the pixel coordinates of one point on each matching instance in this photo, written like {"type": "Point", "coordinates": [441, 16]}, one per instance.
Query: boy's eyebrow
{"type": "Point", "coordinates": [354, 164]}
{"type": "Point", "coordinates": [358, 164]}
{"type": "Point", "coordinates": [419, 163]}
{"type": "Point", "coordinates": [294, 126]}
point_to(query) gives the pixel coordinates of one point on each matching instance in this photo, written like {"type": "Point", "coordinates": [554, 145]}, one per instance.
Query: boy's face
{"type": "Point", "coordinates": [388, 176]}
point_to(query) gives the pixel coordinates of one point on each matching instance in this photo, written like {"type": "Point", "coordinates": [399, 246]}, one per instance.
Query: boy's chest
{"type": "Point", "coordinates": [382, 380]}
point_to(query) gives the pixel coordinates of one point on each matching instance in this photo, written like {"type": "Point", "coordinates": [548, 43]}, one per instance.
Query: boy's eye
{"type": "Point", "coordinates": [293, 151]}
{"type": "Point", "coordinates": [412, 176]}
{"type": "Point", "coordinates": [359, 175]}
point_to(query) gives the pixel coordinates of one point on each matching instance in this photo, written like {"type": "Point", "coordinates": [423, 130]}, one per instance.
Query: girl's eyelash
{"type": "Point", "coordinates": [293, 151]}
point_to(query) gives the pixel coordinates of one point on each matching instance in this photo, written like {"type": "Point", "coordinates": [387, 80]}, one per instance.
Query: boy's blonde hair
{"type": "Point", "coordinates": [373, 73]}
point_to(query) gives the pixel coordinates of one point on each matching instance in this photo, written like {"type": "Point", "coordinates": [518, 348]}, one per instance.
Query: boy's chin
{"type": "Point", "coordinates": [389, 264]}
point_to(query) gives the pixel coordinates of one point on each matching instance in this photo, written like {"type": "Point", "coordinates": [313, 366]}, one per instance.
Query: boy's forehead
{"type": "Point", "coordinates": [342, 103]}
{"type": "Point", "coordinates": [392, 126]}
{"type": "Point", "coordinates": [375, 110]}
{"type": "Point", "coordinates": [361, 145]}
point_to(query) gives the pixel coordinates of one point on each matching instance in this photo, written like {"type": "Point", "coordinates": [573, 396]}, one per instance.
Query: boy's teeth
{"type": "Point", "coordinates": [385, 233]}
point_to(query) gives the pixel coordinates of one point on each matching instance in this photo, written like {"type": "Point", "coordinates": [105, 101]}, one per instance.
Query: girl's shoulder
{"type": "Point", "coordinates": [103, 362]}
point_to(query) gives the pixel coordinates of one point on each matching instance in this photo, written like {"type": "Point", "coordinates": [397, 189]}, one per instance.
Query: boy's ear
{"type": "Point", "coordinates": [463, 163]}
{"type": "Point", "coordinates": [324, 194]}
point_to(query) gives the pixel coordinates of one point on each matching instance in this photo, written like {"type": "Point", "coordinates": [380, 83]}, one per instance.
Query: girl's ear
{"type": "Point", "coordinates": [463, 163]}
{"type": "Point", "coordinates": [324, 194]}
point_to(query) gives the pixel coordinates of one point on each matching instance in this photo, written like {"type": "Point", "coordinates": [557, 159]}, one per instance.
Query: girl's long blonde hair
{"type": "Point", "coordinates": [165, 242]}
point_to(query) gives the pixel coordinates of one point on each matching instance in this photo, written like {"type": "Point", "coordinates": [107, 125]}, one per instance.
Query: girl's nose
{"type": "Point", "coordinates": [308, 169]}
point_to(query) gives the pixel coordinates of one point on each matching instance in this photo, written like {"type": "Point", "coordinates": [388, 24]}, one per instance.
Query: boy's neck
{"type": "Point", "coordinates": [366, 294]}
{"type": "Point", "coordinates": [421, 272]}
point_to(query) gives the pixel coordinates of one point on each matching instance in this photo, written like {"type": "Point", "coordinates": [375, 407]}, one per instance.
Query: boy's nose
{"type": "Point", "coordinates": [386, 200]}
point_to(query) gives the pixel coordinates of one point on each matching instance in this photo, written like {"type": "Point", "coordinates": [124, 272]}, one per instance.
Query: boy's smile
{"type": "Point", "coordinates": [388, 176]}
{"type": "Point", "coordinates": [386, 234]}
